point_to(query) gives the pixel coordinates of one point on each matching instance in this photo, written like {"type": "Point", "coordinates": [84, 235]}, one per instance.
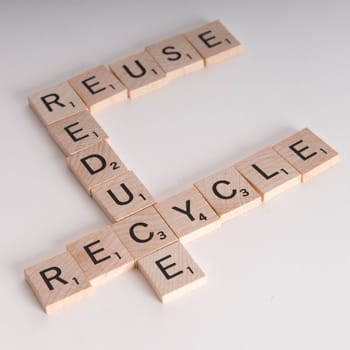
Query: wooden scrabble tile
{"type": "Point", "coordinates": [95, 165]}
{"type": "Point", "coordinates": [144, 232]}
{"type": "Point", "coordinates": [98, 87]}
{"type": "Point", "coordinates": [56, 103]}
{"type": "Point", "coordinates": [214, 42]}
{"type": "Point", "coordinates": [188, 214]}
{"type": "Point", "coordinates": [140, 73]}
{"type": "Point", "coordinates": [171, 272]}
{"type": "Point", "coordinates": [228, 193]}
{"type": "Point", "coordinates": [75, 133]}
{"type": "Point", "coordinates": [122, 196]}
{"type": "Point", "coordinates": [176, 56]}
{"type": "Point", "coordinates": [268, 172]}
{"type": "Point", "coordinates": [101, 255]}
{"type": "Point", "coordinates": [57, 282]}
{"type": "Point", "coordinates": [307, 153]}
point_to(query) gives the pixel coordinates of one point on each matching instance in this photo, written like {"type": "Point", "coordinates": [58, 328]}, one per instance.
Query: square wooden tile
{"type": "Point", "coordinates": [171, 272]}
{"type": "Point", "coordinates": [122, 196]}
{"type": "Point", "coordinates": [228, 193]}
{"type": "Point", "coordinates": [57, 282]}
{"type": "Point", "coordinates": [56, 103]}
{"type": "Point", "coordinates": [176, 56]}
{"type": "Point", "coordinates": [214, 42]}
{"type": "Point", "coordinates": [269, 173]}
{"type": "Point", "coordinates": [98, 88]}
{"type": "Point", "coordinates": [101, 255]}
{"type": "Point", "coordinates": [95, 165]}
{"type": "Point", "coordinates": [140, 73]}
{"type": "Point", "coordinates": [307, 153]}
{"type": "Point", "coordinates": [75, 133]}
{"type": "Point", "coordinates": [144, 232]}
{"type": "Point", "coordinates": [188, 214]}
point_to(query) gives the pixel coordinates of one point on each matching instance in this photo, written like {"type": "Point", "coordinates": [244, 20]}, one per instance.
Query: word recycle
{"type": "Point", "coordinates": [143, 233]}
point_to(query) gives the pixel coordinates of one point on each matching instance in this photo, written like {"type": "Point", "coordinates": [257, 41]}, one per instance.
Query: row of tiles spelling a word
{"type": "Point", "coordinates": [136, 75]}
{"type": "Point", "coordinates": [150, 236]}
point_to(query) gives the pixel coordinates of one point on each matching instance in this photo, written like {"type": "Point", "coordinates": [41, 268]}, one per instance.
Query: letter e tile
{"type": "Point", "coordinates": [75, 133]}
{"type": "Point", "coordinates": [307, 153]}
{"type": "Point", "coordinates": [269, 173]}
{"type": "Point", "coordinates": [98, 87]}
{"type": "Point", "coordinates": [214, 42]}
{"type": "Point", "coordinates": [101, 255]}
{"type": "Point", "coordinates": [188, 214]}
{"type": "Point", "coordinates": [57, 282]}
{"type": "Point", "coordinates": [171, 272]}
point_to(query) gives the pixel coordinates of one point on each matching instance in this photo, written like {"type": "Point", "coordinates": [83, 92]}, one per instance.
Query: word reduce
{"type": "Point", "coordinates": [144, 233]}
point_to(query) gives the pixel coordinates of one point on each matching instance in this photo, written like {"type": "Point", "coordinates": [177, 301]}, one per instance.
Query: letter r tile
{"type": "Point", "coordinates": [214, 42]}
{"type": "Point", "coordinates": [98, 87]}
{"type": "Point", "coordinates": [144, 232]}
{"type": "Point", "coordinates": [101, 255]}
{"type": "Point", "coordinates": [269, 173]}
{"type": "Point", "coordinates": [95, 165]}
{"type": "Point", "coordinates": [75, 133]}
{"type": "Point", "coordinates": [188, 214]}
{"type": "Point", "coordinates": [56, 103]}
{"type": "Point", "coordinates": [307, 153]}
{"type": "Point", "coordinates": [57, 282]}
{"type": "Point", "coordinates": [229, 193]}
{"type": "Point", "coordinates": [171, 272]}
{"type": "Point", "coordinates": [140, 73]}
{"type": "Point", "coordinates": [122, 196]}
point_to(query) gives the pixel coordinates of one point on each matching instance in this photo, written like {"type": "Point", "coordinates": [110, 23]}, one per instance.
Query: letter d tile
{"type": "Point", "coordinates": [96, 165]}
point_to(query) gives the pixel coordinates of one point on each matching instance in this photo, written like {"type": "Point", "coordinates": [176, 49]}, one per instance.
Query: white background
{"type": "Point", "coordinates": [278, 277]}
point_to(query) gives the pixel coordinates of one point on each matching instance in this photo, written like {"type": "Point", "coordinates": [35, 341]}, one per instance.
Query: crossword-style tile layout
{"type": "Point", "coordinates": [144, 233]}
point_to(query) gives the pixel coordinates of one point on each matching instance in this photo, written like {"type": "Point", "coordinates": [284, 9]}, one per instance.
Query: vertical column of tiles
{"type": "Point", "coordinates": [96, 165]}
{"type": "Point", "coordinates": [56, 103]}
{"type": "Point", "coordinates": [98, 87]}
{"type": "Point", "coordinates": [188, 214]}
{"type": "Point", "coordinates": [176, 56]}
{"type": "Point", "coordinates": [101, 255]}
{"type": "Point", "coordinates": [228, 193]}
{"type": "Point", "coordinates": [171, 272]}
{"type": "Point", "coordinates": [214, 42]}
{"type": "Point", "coordinates": [269, 173]}
{"type": "Point", "coordinates": [57, 282]}
{"type": "Point", "coordinates": [144, 232]}
{"type": "Point", "coordinates": [307, 153]}
{"type": "Point", "coordinates": [122, 196]}
{"type": "Point", "coordinates": [140, 73]}
{"type": "Point", "coordinates": [75, 133]}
